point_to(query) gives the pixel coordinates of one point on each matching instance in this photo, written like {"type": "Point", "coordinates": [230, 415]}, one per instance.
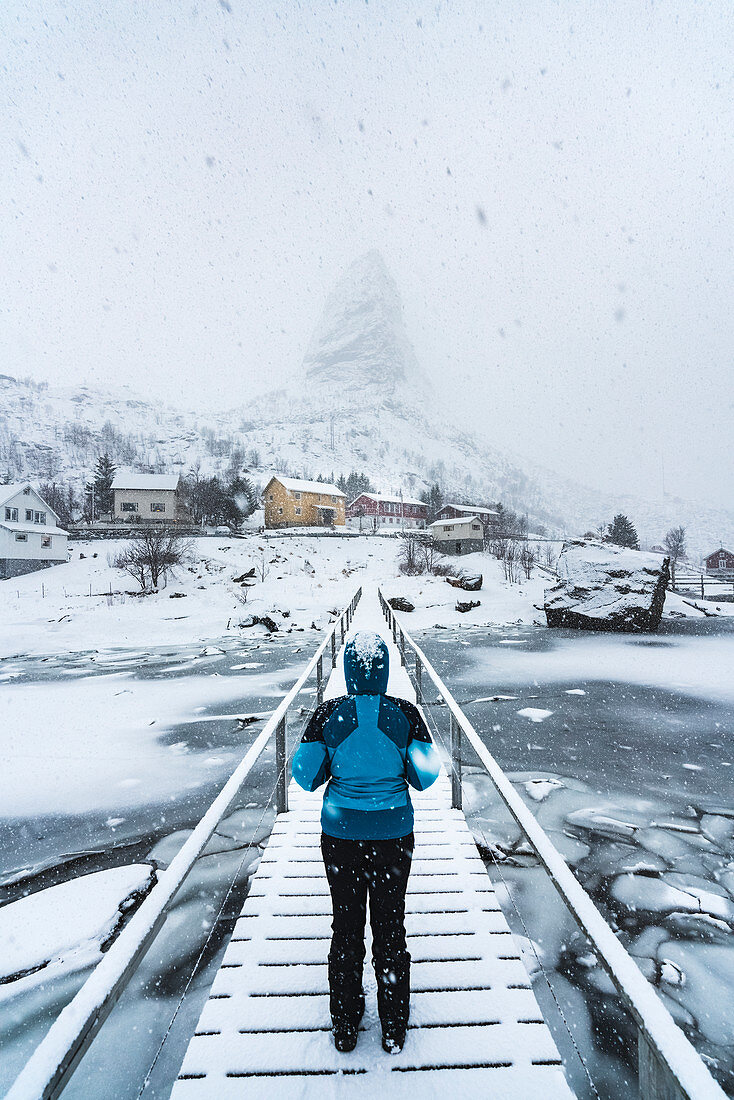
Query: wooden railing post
{"type": "Point", "coordinates": [333, 649]}
{"type": "Point", "coordinates": [319, 681]}
{"type": "Point", "coordinates": [402, 649]}
{"type": "Point", "coordinates": [418, 680]}
{"type": "Point", "coordinates": [281, 789]}
{"type": "Point", "coordinates": [455, 764]}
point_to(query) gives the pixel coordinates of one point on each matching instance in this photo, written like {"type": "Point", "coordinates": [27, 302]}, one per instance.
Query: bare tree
{"type": "Point", "coordinates": [151, 554]}
{"type": "Point", "coordinates": [675, 544]}
{"type": "Point", "coordinates": [527, 559]}
{"type": "Point", "coordinates": [409, 556]}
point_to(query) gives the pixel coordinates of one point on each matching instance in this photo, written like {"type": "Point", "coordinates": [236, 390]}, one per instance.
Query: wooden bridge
{"type": "Point", "coordinates": [475, 1027]}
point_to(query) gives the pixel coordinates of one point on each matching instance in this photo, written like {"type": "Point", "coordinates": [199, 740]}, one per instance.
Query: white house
{"type": "Point", "coordinates": [30, 537]}
{"type": "Point", "coordinates": [458, 536]}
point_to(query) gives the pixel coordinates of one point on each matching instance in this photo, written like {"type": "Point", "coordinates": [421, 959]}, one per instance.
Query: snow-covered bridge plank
{"type": "Point", "coordinates": [475, 1026]}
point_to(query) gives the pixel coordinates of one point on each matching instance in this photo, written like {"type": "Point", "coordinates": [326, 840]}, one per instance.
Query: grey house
{"type": "Point", "coordinates": [147, 498]}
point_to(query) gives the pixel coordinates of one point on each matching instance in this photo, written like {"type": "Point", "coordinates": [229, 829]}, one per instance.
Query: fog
{"type": "Point", "coordinates": [549, 184]}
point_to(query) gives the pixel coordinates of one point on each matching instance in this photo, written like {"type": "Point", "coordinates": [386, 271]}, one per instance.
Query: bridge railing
{"type": "Point", "coordinates": [52, 1064]}
{"type": "Point", "coordinates": [669, 1067]}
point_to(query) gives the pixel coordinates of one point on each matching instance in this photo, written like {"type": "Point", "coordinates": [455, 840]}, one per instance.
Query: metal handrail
{"type": "Point", "coordinates": [54, 1060]}
{"type": "Point", "coordinates": [670, 1068]}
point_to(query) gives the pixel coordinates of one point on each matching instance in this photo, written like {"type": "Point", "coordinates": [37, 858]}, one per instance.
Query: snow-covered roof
{"type": "Point", "coordinates": [459, 521]}
{"type": "Point", "coordinates": [378, 497]}
{"type": "Point", "coordinates": [471, 509]}
{"type": "Point", "coordinates": [42, 528]}
{"type": "Point", "coordinates": [295, 484]}
{"type": "Point", "coordinates": [125, 479]}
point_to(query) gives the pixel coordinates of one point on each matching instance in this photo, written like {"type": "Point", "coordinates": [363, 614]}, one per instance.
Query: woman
{"type": "Point", "coordinates": [369, 746]}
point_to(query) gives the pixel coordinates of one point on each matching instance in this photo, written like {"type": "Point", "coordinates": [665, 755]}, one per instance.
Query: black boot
{"type": "Point", "coordinates": [346, 1031]}
{"type": "Point", "coordinates": [346, 1002]}
{"type": "Point", "coordinates": [393, 1003]}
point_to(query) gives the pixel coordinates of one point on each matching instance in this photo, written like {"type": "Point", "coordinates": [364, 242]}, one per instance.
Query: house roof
{"type": "Point", "coordinates": [295, 484]}
{"type": "Point", "coordinates": [125, 479]}
{"type": "Point", "coordinates": [721, 550]}
{"type": "Point", "coordinates": [470, 509]}
{"type": "Point", "coordinates": [390, 500]}
{"type": "Point", "coordinates": [8, 491]}
{"type": "Point", "coordinates": [42, 528]}
{"type": "Point", "coordinates": [453, 522]}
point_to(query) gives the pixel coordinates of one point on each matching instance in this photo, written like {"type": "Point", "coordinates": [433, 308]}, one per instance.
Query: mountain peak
{"type": "Point", "coordinates": [360, 342]}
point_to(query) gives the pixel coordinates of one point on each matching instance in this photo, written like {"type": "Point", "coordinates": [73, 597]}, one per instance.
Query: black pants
{"type": "Point", "coordinates": [380, 868]}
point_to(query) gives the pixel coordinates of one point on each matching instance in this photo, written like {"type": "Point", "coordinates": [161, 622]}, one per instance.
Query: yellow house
{"type": "Point", "coordinates": [290, 502]}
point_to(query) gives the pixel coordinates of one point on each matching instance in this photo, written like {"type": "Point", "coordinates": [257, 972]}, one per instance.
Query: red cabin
{"type": "Point", "coordinates": [720, 563]}
{"type": "Point", "coordinates": [370, 511]}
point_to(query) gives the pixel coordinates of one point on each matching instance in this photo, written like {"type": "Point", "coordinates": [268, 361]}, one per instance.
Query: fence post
{"type": "Point", "coordinates": [319, 681]}
{"type": "Point", "coordinates": [702, 596]}
{"type": "Point", "coordinates": [341, 627]}
{"type": "Point", "coordinates": [418, 680]}
{"type": "Point", "coordinates": [455, 764]}
{"type": "Point", "coordinates": [333, 649]}
{"type": "Point", "coordinates": [395, 630]}
{"type": "Point", "coordinates": [281, 789]}
{"type": "Point", "coordinates": [402, 649]}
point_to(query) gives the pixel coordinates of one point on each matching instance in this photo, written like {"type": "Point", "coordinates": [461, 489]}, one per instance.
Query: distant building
{"type": "Point", "coordinates": [147, 498]}
{"type": "Point", "coordinates": [720, 564]}
{"type": "Point", "coordinates": [292, 502]}
{"type": "Point", "coordinates": [372, 511]}
{"type": "Point", "coordinates": [487, 516]}
{"type": "Point", "coordinates": [30, 537]}
{"type": "Point", "coordinates": [458, 536]}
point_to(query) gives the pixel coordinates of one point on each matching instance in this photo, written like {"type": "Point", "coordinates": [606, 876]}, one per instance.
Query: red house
{"type": "Point", "coordinates": [371, 511]}
{"type": "Point", "coordinates": [720, 563]}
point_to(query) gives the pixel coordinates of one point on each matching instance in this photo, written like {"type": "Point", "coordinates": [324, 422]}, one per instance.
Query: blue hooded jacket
{"type": "Point", "coordinates": [369, 746]}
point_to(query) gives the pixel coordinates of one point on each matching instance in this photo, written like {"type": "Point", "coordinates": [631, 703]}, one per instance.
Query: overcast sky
{"type": "Point", "coordinates": [550, 183]}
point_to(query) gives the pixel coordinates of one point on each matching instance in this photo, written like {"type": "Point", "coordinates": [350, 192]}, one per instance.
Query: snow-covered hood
{"type": "Point", "coordinates": [366, 664]}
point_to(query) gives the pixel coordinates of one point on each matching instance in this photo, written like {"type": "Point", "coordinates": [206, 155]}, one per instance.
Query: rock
{"type": "Point", "coordinates": [464, 607]}
{"type": "Point", "coordinates": [469, 583]}
{"type": "Point", "coordinates": [261, 620]}
{"type": "Point", "coordinates": [605, 587]}
{"type": "Point", "coordinates": [249, 575]}
{"type": "Point", "coordinates": [399, 603]}
{"type": "Point", "coordinates": [177, 595]}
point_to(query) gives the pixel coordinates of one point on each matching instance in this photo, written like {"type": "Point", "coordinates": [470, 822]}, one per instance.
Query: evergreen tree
{"type": "Point", "coordinates": [104, 498]}
{"type": "Point", "coordinates": [433, 497]}
{"type": "Point", "coordinates": [621, 532]}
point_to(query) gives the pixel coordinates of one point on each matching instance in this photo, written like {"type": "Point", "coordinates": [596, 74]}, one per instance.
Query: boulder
{"type": "Point", "coordinates": [605, 587]}
{"type": "Point", "coordinates": [262, 620]}
{"type": "Point", "coordinates": [399, 603]}
{"type": "Point", "coordinates": [248, 575]}
{"type": "Point", "coordinates": [469, 583]}
{"type": "Point", "coordinates": [464, 607]}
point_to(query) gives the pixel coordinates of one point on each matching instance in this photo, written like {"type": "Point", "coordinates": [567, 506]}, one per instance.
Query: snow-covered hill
{"type": "Point", "coordinates": [362, 403]}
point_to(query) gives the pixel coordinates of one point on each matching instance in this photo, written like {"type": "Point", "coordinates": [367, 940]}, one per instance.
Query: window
{"type": "Point", "coordinates": [39, 517]}
{"type": "Point", "coordinates": [157, 507]}
{"type": "Point", "coordinates": [11, 514]}
{"type": "Point", "coordinates": [271, 497]}
{"type": "Point", "coordinates": [27, 491]}
{"type": "Point", "coordinates": [29, 515]}
{"type": "Point", "coordinates": [128, 506]}
{"type": "Point", "coordinates": [21, 536]}
{"type": "Point", "coordinates": [298, 511]}
{"type": "Point", "coordinates": [297, 496]}
{"type": "Point", "coordinates": [45, 542]}
{"type": "Point", "coordinates": [280, 511]}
